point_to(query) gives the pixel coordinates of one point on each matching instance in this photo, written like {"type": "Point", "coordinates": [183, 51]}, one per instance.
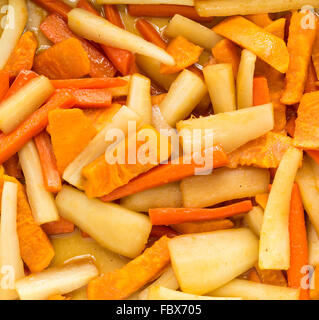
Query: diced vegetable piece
{"type": "Point", "coordinates": [59, 280]}
{"type": "Point", "coordinates": [178, 2]}
{"type": "Point", "coordinates": [167, 195]}
{"type": "Point", "coordinates": [92, 98]}
{"type": "Point", "coordinates": [139, 97]}
{"type": "Point", "coordinates": [107, 223]}
{"type": "Point", "coordinates": [206, 261]}
{"type": "Point", "coordinates": [263, 44]}
{"type": "Point", "coordinates": [61, 226]}
{"type": "Point", "coordinates": [273, 254]}
{"type": "Point", "coordinates": [193, 31]}
{"type": "Point", "coordinates": [220, 83]}
{"type": "Point", "coordinates": [9, 243]}
{"type": "Point", "coordinates": [228, 184]}
{"type": "Point", "coordinates": [203, 226]}
{"type": "Point", "coordinates": [183, 96]}
{"type": "Point", "coordinates": [245, 77]}
{"type": "Point", "coordinates": [250, 290]}
{"type": "Point", "coordinates": [85, 24]}
{"type": "Point", "coordinates": [230, 129]}
{"type": "Point", "coordinates": [41, 201]}
{"type": "Point", "coordinates": [15, 109]}
{"type": "Point", "coordinates": [166, 280]}
{"type": "Point", "coordinates": [118, 119]}
{"type": "Point", "coordinates": [13, 28]}
{"type": "Point", "coordinates": [241, 7]}
{"type": "Point", "coordinates": [123, 282]}
{"type": "Point", "coordinates": [260, 91]}
{"type": "Point", "coordinates": [254, 219]}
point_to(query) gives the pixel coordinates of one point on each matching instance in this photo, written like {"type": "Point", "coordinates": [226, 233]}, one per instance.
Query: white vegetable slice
{"type": "Point", "coordinates": [313, 244]}
{"type": "Point", "coordinates": [254, 219]}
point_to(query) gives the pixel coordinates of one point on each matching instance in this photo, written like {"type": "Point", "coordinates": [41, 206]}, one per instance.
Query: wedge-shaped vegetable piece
{"type": "Point", "coordinates": [245, 77]}
{"type": "Point", "coordinates": [206, 261]}
{"type": "Point", "coordinates": [263, 44]}
{"type": "Point", "coordinates": [220, 83]}
{"type": "Point", "coordinates": [309, 192]}
{"type": "Point", "coordinates": [162, 293]}
{"type": "Point", "coordinates": [250, 290]}
{"type": "Point", "coordinates": [10, 258]}
{"type": "Point", "coordinates": [228, 184]}
{"type": "Point", "coordinates": [166, 280]}
{"type": "Point", "coordinates": [59, 280]}
{"type": "Point", "coordinates": [117, 117]}
{"type": "Point", "coordinates": [41, 201]}
{"type": "Point", "coordinates": [70, 131]}
{"type": "Point", "coordinates": [306, 130]}
{"type": "Point", "coordinates": [167, 195]}
{"type": "Point", "coordinates": [241, 7]}
{"type": "Point", "coordinates": [86, 24]}
{"type": "Point", "coordinates": [272, 277]}
{"type": "Point", "coordinates": [183, 96]}
{"type": "Point", "coordinates": [107, 223]}
{"type": "Point", "coordinates": [275, 253]}
{"type": "Point", "coordinates": [14, 25]}
{"type": "Point", "coordinates": [15, 109]}
{"type": "Point", "coordinates": [122, 283]}
{"type": "Point", "coordinates": [192, 31]}
{"type": "Point", "coordinates": [313, 244]}
{"type": "Point", "coordinates": [184, 52]}
{"type": "Point", "coordinates": [139, 97]}
{"type": "Point", "coordinates": [230, 129]}
{"type": "Point", "coordinates": [264, 152]}
{"type": "Point", "coordinates": [254, 219]}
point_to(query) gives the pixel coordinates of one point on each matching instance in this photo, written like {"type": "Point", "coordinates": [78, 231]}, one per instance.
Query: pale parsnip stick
{"type": "Point", "coordinates": [19, 106]}
{"type": "Point", "coordinates": [41, 201]}
{"type": "Point", "coordinates": [92, 27]}
{"type": "Point", "coordinates": [220, 83]}
{"type": "Point", "coordinates": [274, 250]}
{"type": "Point", "coordinates": [139, 97]}
{"type": "Point", "coordinates": [254, 219]}
{"type": "Point", "coordinates": [243, 7]}
{"type": "Point", "coordinates": [179, 2]}
{"type": "Point", "coordinates": [193, 31]}
{"type": "Point", "coordinates": [16, 20]}
{"type": "Point", "coordinates": [10, 259]}
{"type": "Point", "coordinates": [245, 77]}
{"type": "Point", "coordinates": [60, 280]}
{"type": "Point", "coordinates": [313, 244]}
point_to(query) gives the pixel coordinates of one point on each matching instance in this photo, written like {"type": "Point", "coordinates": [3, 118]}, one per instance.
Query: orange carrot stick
{"type": "Point", "coordinates": [149, 33]}
{"type": "Point", "coordinates": [310, 85]}
{"type": "Point", "coordinates": [33, 125]}
{"type": "Point", "coordinates": [22, 56]}
{"type": "Point", "coordinates": [123, 282]}
{"type": "Point", "coordinates": [92, 98]}
{"type": "Point", "coordinates": [167, 216]}
{"type": "Point", "coordinates": [58, 227]}
{"type": "Point", "coordinates": [163, 11]}
{"type": "Point", "coordinates": [203, 226]}
{"type": "Point", "coordinates": [4, 83]}
{"type": "Point", "coordinates": [314, 154]}
{"type": "Point", "coordinates": [89, 83]}
{"type": "Point", "coordinates": [163, 174]}
{"type": "Point", "coordinates": [160, 231]}
{"type": "Point", "coordinates": [260, 91]}
{"type": "Point", "coordinates": [112, 14]}
{"type": "Point", "coordinates": [54, 6]}
{"type": "Point", "coordinates": [51, 176]}
{"type": "Point", "coordinates": [57, 30]}
{"type": "Point", "coordinates": [298, 243]}
{"type": "Point", "coordinates": [261, 19]}
{"type": "Point", "coordinates": [13, 168]}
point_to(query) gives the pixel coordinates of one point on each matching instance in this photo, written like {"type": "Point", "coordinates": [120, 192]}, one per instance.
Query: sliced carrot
{"type": "Point", "coordinates": [253, 276]}
{"type": "Point", "coordinates": [54, 6]}
{"type": "Point", "coordinates": [312, 79]}
{"type": "Point", "coordinates": [112, 14]}
{"type": "Point", "coordinates": [51, 176]}
{"type": "Point", "coordinates": [58, 227]}
{"type": "Point", "coordinates": [84, 234]}
{"type": "Point", "coordinates": [203, 226]}
{"type": "Point", "coordinates": [166, 173]}
{"type": "Point", "coordinates": [123, 282]}
{"type": "Point", "coordinates": [184, 53]}
{"type": "Point", "coordinates": [70, 132]}
{"type": "Point", "coordinates": [277, 28]}
{"type": "Point", "coordinates": [261, 19]}
{"type": "Point", "coordinates": [298, 243]}
{"type": "Point", "coordinates": [314, 154]}
{"type": "Point", "coordinates": [33, 125]}
{"type": "Point", "coordinates": [57, 30]}
{"type": "Point", "coordinates": [226, 51]}
{"type": "Point", "coordinates": [149, 33]}
{"type": "Point", "coordinates": [4, 83]}
{"type": "Point", "coordinates": [84, 4]}
{"type": "Point", "coordinates": [92, 98]}
{"type": "Point", "coordinates": [35, 247]}
{"type": "Point", "coordinates": [64, 60]}
{"type": "Point", "coordinates": [265, 45]}
{"type": "Point", "coordinates": [260, 91]}
{"type": "Point", "coordinates": [165, 10]}
{"type": "Point", "coordinates": [300, 43]}
{"type": "Point", "coordinates": [167, 216]}
{"type": "Point", "coordinates": [22, 56]}
{"type": "Point", "coordinates": [272, 277]}
{"type": "Point", "coordinates": [160, 231]}
{"type": "Point", "coordinates": [89, 83]}
{"type": "Point", "coordinates": [12, 167]}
